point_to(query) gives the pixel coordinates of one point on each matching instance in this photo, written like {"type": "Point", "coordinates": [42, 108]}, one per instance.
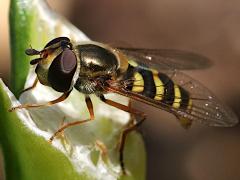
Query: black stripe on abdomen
{"type": "Point", "coordinates": [184, 98]}
{"type": "Point", "coordinates": [169, 94]}
{"type": "Point", "coordinates": [149, 85]}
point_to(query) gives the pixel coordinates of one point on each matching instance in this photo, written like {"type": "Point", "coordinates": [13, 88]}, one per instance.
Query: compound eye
{"type": "Point", "coordinates": [57, 40]}
{"type": "Point", "coordinates": [61, 71]}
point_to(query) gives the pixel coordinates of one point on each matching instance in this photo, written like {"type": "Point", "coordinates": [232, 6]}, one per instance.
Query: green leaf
{"type": "Point", "coordinates": [28, 156]}
{"type": "Point", "coordinates": [20, 26]}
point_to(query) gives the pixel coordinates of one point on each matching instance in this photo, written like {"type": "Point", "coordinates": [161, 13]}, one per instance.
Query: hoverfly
{"type": "Point", "coordinates": [146, 75]}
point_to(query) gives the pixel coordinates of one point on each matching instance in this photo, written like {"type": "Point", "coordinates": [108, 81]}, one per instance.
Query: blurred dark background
{"type": "Point", "coordinates": [208, 27]}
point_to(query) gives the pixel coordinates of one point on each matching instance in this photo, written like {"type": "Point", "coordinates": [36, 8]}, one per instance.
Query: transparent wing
{"type": "Point", "coordinates": [167, 58]}
{"type": "Point", "coordinates": [206, 108]}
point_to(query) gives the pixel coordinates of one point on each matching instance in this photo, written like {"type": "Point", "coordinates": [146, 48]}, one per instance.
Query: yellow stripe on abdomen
{"type": "Point", "coordinates": [177, 98]}
{"type": "Point", "coordinates": [138, 84]}
{"type": "Point", "coordinates": [159, 87]}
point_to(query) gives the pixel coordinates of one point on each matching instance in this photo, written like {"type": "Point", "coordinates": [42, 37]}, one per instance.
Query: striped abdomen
{"type": "Point", "coordinates": [157, 86]}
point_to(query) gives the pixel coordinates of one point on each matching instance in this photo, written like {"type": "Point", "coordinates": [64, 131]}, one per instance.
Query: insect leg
{"type": "Point", "coordinates": [74, 123]}
{"type": "Point", "coordinates": [60, 99]}
{"type": "Point", "coordinates": [31, 87]}
{"type": "Point", "coordinates": [126, 130]}
{"type": "Point", "coordinates": [90, 107]}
